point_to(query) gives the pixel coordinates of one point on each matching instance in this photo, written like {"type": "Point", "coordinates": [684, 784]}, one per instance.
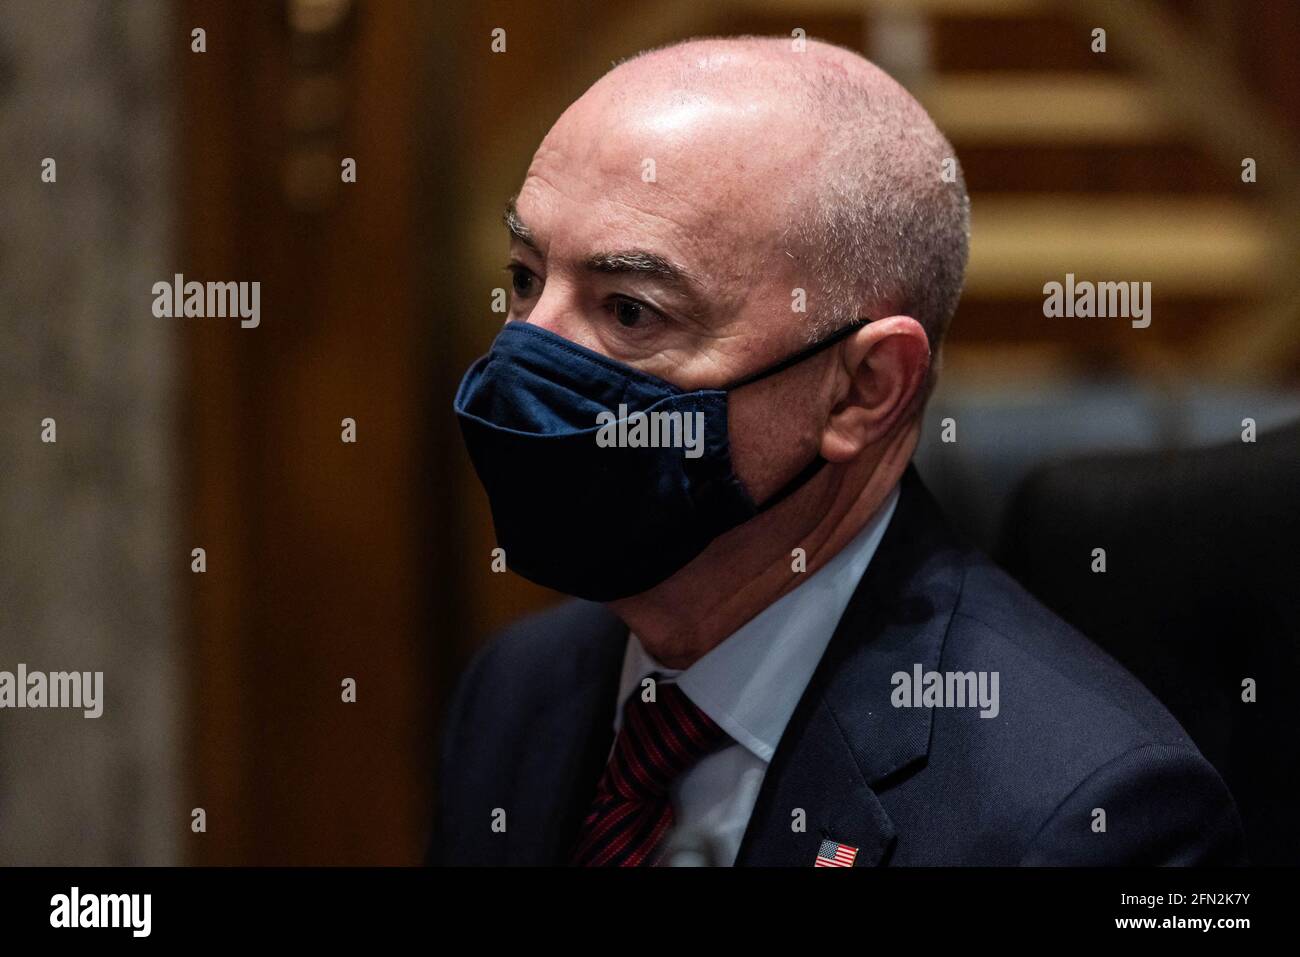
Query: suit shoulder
{"type": "Point", "coordinates": [556, 632]}
{"type": "Point", "coordinates": [1069, 726]}
{"type": "Point", "coordinates": [1068, 681]}
{"type": "Point", "coordinates": [547, 651]}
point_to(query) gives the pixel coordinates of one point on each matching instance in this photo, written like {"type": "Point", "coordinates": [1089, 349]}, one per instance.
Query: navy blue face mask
{"type": "Point", "coordinates": [576, 513]}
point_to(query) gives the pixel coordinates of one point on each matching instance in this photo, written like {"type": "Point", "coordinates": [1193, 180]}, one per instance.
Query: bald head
{"type": "Point", "coordinates": [880, 213]}
{"type": "Point", "coordinates": [809, 170]}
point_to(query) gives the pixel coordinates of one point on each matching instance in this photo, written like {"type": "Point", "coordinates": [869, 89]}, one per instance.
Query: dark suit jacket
{"type": "Point", "coordinates": [529, 729]}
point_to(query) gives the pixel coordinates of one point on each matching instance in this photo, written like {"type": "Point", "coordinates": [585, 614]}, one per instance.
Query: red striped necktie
{"type": "Point", "coordinates": [632, 813]}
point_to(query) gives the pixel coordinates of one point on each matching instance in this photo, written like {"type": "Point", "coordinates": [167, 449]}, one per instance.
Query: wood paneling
{"type": "Point", "coordinates": [325, 560]}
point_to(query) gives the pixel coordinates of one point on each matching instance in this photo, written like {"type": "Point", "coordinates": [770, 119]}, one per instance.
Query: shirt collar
{"type": "Point", "coordinates": [751, 682]}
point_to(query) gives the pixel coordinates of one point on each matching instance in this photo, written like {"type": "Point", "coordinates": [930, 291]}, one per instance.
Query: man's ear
{"type": "Point", "coordinates": [883, 367]}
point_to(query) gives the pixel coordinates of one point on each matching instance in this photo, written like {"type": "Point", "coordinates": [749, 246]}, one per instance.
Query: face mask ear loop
{"type": "Point", "coordinates": [796, 483]}
{"type": "Point", "coordinates": [801, 355]}
{"type": "Point", "coordinates": [818, 463]}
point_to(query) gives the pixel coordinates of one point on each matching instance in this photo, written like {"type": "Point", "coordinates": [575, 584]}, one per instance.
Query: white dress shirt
{"type": "Point", "coordinates": [750, 684]}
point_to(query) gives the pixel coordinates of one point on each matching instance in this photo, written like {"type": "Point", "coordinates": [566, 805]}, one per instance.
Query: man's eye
{"type": "Point", "coordinates": [522, 280]}
{"type": "Point", "coordinates": [630, 312]}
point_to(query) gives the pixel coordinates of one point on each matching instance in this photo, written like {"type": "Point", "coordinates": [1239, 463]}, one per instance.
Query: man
{"type": "Point", "coordinates": [732, 263]}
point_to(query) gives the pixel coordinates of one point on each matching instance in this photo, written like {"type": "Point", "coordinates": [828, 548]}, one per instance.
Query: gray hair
{"type": "Point", "coordinates": [885, 222]}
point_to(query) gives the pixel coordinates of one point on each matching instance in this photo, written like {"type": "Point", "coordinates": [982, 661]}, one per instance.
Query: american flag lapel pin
{"type": "Point", "coordinates": [833, 854]}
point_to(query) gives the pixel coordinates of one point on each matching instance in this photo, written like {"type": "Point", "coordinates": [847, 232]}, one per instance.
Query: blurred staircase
{"type": "Point", "coordinates": [1122, 166]}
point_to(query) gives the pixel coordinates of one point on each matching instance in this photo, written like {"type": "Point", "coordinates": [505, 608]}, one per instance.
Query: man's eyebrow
{"type": "Point", "coordinates": [633, 261]}
{"type": "Point", "coordinates": [642, 263]}
{"type": "Point", "coordinates": [694, 301]}
{"type": "Point", "coordinates": [518, 229]}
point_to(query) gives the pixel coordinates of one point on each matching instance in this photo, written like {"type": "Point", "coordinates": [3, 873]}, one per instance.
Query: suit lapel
{"type": "Point", "coordinates": [846, 741]}
{"type": "Point", "coordinates": [814, 791]}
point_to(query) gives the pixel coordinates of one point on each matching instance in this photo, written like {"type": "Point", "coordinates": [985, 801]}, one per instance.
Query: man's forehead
{"type": "Point", "coordinates": [682, 140]}
{"type": "Point", "coordinates": [709, 179]}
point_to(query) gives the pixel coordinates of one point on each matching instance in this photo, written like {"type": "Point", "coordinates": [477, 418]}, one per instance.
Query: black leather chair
{"type": "Point", "coordinates": [1201, 591]}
